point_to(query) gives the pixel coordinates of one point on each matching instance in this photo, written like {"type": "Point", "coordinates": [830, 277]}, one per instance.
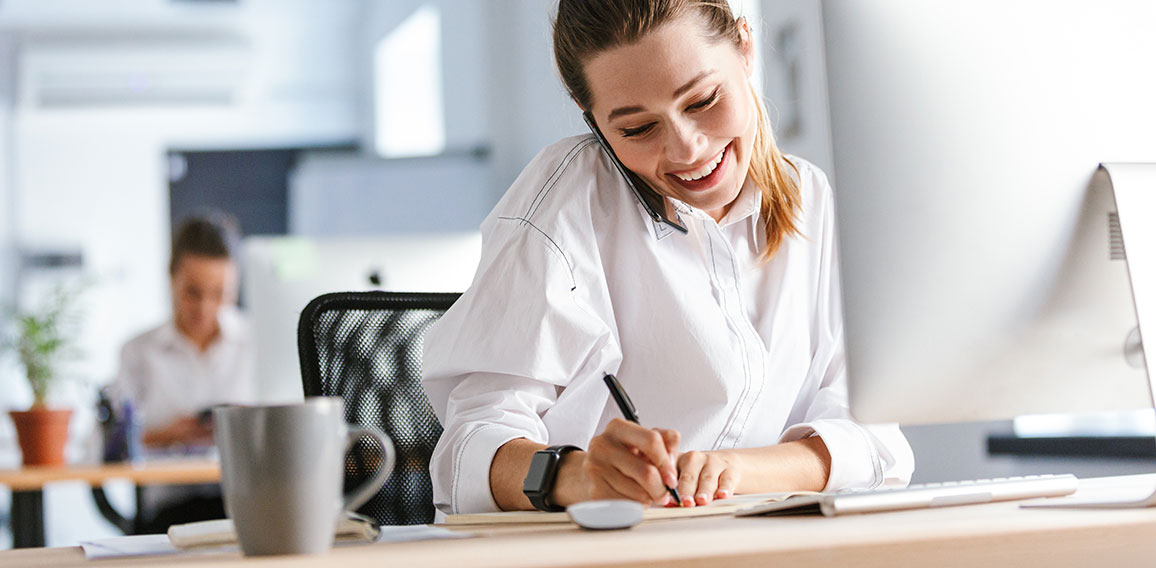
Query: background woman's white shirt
{"type": "Point", "coordinates": [576, 281]}
{"type": "Point", "coordinates": [168, 377]}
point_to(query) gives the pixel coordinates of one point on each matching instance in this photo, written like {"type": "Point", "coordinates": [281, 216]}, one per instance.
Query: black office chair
{"type": "Point", "coordinates": [366, 347]}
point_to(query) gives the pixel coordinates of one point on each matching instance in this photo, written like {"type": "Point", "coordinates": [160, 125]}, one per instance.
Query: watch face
{"type": "Point", "coordinates": [540, 469]}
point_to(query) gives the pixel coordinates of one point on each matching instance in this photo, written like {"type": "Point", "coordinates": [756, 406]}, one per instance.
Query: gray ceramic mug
{"type": "Point", "coordinates": [282, 470]}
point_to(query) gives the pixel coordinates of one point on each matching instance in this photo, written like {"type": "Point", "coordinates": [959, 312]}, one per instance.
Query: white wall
{"type": "Point", "coordinates": [9, 379]}
{"type": "Point", "coordinates": [463, 57]}
{"type": "Point", "coordinates": [795, 81]}
{"type": "Point", "coordinates": [529, 108]}
{"type": "Point", "coordinates": [7, 87]}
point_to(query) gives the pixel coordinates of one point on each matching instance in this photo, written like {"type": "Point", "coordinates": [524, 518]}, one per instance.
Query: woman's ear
{"type": "Point", "coordinates": [746, 45]}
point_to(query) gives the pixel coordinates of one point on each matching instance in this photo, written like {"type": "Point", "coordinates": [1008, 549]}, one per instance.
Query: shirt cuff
{"type": "Point", "coordinates": [854, 461]}
{"type": "Point", "coordinates": [471, 480]}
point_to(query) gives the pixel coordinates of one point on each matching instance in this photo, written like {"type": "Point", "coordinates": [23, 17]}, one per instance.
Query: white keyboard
{"type": "Point", "coordinates": [920, 496]}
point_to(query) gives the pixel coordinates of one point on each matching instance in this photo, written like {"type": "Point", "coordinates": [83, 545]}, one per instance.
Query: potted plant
{"type": "Point", "coordinates": [42, 340]}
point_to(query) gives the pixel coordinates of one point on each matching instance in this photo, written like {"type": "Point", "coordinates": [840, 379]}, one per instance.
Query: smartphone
{"type": "Point", "coordinates": [654, 203]}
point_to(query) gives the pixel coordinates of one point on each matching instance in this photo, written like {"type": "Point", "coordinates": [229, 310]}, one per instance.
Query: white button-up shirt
{"type": "Point", "coordinates": [576, 281]}
{"type": "Point", "coordinates": [168, 377]}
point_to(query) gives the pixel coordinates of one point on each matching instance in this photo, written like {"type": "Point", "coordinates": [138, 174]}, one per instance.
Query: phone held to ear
{"type": "Point", "coordinates": [654, 203]}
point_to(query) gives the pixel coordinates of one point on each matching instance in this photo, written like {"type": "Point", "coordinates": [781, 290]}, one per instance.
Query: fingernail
{"type": "Point", "coordinates": [687, 502]}
{"type": "Point", "coordinates": [669, 479]}
{"type": "Point", "coordinates": [702, 498]}
{"type": "Point", "coordinates": [724, 494]}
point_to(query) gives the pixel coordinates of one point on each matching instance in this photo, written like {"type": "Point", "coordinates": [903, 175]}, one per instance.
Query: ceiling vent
{"type": "Point", "coordinates": [124, 73]}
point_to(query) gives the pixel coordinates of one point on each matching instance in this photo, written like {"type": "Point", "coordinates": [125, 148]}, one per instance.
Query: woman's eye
{"type": "Point", "coordinates": [705, 102]}
{"type": "Point", "coordinates": [638, 131]}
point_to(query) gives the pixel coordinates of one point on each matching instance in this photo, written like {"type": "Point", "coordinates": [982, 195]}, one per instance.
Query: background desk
{"type": "Point", "coordinates": [999, 534]}
{"type": "Point", "coordinates": [27, 486]}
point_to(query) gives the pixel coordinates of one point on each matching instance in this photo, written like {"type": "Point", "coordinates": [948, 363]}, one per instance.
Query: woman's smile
{"type": "Point", "coordinates": [706, 176]}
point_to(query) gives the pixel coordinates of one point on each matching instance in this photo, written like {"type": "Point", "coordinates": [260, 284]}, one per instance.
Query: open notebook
{"type": "Point", "coordinates": [720, 507]}
{"type": "Point", "coordinates": [838, 503]}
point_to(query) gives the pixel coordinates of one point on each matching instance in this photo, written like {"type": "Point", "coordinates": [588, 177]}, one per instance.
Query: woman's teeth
{"type": "Point", "coordinates": [703, 171]}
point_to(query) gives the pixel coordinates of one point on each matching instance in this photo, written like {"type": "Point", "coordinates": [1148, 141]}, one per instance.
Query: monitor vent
{"type": "Point", "coordinates": [1115, 238]}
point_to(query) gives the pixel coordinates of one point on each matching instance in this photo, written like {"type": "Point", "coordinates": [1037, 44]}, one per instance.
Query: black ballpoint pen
{"type": "Point", "coordinates": [627, 407]}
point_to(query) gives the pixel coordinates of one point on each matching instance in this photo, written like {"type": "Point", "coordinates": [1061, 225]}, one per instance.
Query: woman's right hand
{"type": "Point", "coordinates": [188, 430]}
{"type": "Point", "coordinates": [626, 461]}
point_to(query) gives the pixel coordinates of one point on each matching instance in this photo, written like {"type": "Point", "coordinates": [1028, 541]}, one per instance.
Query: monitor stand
{"type": "Point", "coordinates": [1134, 188]}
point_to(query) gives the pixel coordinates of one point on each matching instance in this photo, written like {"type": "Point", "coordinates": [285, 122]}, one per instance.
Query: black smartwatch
{"type": "Point", "coordinates": [540, 479]}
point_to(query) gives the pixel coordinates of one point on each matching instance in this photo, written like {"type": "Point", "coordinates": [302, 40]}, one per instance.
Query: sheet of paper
{"type": "Point", "coordinates": [355, 528]}
{"type": "Point", "coordinates": [720, 507]}
{"type": "Point", "coordinates": [159, 545]}
{"type": "Point", "coordinates": [125, 546]}
{"type": "Point", "coordinates": [417, 532]}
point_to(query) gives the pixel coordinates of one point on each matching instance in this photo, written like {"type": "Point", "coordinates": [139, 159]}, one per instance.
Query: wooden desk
{"type": "Point", "coordinates": [999, 534]}
{"type": "Point", "coordinates": [27, 486]}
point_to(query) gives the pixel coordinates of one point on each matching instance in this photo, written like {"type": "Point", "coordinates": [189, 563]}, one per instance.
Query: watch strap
{"type": "Point", "coordinates": [540, 499]}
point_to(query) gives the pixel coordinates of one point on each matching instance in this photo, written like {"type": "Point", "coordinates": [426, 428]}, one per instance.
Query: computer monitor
{"type": "Point", "coordinates": [281, 275]}
{"type": "Point", "coordinates": [982, 272]}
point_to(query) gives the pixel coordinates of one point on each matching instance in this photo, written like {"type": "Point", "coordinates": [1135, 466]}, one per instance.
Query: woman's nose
{"type": "Point", "coordinates": [685, 144]}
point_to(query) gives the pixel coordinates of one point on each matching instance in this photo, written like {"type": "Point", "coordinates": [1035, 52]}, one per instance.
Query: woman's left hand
{"type": "Point", "coordinates": [706, 476]}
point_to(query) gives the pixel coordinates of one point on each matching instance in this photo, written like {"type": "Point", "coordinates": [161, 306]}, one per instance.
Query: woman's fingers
{"type": "Point", "coordinates": [727, 481]}
{"type": "Point", "coordinates": [610, 483]}
{"type": "Point", "coordinates": [653, 445]}
{"type": "Point", "coordinates": [670, 438]}
{"type": "Point", "coordinates": [689, 466]}
{"type": "Point", "coordinates": [708, 481]}
{"type": "Point", "coordinates": [704, 477]}
{"type": "Point", "coordinates": [624, 468]}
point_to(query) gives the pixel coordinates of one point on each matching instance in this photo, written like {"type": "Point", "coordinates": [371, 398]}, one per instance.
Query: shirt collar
{"type": "Point", "coordinates": [747, 209]}
{"type": "Point", "coordinates": [746, 206]}
{"type": "Point", "coordinates": [226, 319]}
{"type": "Point", "coordinates": [658, 229]}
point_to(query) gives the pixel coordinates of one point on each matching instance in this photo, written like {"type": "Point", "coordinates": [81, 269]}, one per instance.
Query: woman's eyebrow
{"type": "Point", "coordinates": [622, 111]}
{"type": "Point", "coordinates": [691, 83]}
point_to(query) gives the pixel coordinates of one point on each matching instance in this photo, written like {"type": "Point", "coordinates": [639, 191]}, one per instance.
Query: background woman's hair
{"type": "Point", "coordinates": [212, 234]}
{"type": "Point", "coordinates": [584, 28]}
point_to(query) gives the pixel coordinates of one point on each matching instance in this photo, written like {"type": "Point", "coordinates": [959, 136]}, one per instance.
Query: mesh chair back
{"type": "Point", "coordinates": [366, 347]}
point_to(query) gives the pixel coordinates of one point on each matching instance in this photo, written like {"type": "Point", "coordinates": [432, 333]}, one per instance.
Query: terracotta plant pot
{"type": "Point", "coordinates": [42, 433]}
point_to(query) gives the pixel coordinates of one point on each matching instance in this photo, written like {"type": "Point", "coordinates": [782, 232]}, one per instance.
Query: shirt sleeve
{"type": "Point", "coordinates": [127, 383]}
{"type": "Point", "coordinates": [498, 360]}
{"type": "Point", "coordinates": [861, 455]}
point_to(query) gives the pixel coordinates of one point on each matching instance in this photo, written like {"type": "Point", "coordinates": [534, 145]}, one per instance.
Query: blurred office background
{"type": "Point", "coordinates": [312, 118]}
{"type": "Point", "coordinates": [308, 118]}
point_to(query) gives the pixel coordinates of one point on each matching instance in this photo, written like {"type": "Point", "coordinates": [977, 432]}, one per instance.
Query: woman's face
{"type": "Point", "coordinates": [678, 111]}
{"type": "Point", "coordinates": [201, 285]}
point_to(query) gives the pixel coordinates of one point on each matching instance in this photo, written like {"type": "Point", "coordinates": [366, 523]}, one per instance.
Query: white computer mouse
{"type": "Point", "coordinates": [606, 514]}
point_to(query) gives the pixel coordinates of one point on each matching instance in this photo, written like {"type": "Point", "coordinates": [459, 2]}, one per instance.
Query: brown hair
{"type": "Point", "coordinates": [210, 234]}
{"type": "Point", "coordinates": [584, 28]}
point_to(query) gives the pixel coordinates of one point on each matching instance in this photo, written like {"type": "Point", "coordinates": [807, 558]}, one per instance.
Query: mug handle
{"type": "Point", "coordinates": [359, 496]}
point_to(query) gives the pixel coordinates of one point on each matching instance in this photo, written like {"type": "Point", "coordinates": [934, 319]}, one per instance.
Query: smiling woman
{"type": "Point", "coordinates": [728, 337]}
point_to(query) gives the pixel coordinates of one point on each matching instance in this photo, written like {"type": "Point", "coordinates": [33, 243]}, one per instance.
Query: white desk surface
{"type": "Point", "coordinates": [997, 534]}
